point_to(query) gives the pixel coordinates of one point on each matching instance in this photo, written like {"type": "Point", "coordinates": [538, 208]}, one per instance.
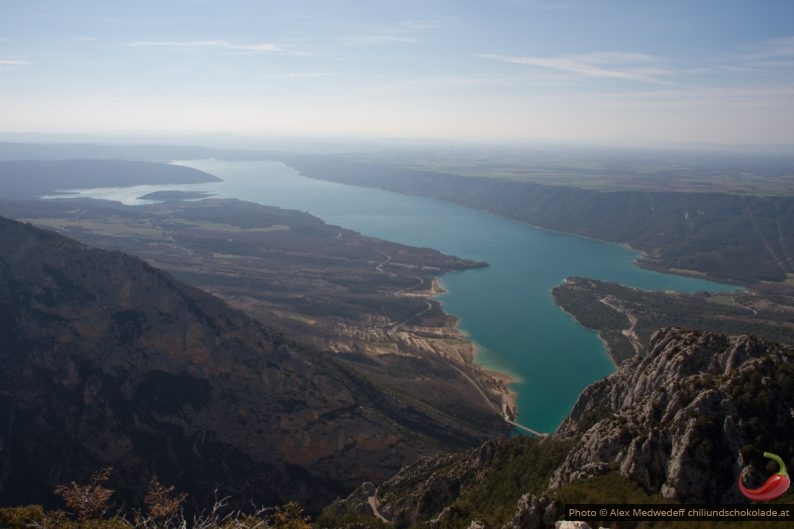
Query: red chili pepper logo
{"type": "Point", "coordinates": [774, 487]}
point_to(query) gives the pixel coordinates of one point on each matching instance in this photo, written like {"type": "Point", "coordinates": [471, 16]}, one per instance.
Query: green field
{"type": "Point", "coordinates": [107, 227]}
{"type": "Point", "coordinates": [604, 169]}
{"type": "Point", "coordinates": [219, 226]}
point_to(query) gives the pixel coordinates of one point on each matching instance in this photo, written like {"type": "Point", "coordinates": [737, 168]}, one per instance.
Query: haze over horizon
{"type": "Point", "coordinates": [489, 70]}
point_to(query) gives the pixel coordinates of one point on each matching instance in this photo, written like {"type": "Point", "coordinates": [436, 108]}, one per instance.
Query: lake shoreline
{"type": "Point", "coordinates": [597, 333]}
{"type": "Point", "coordinates": [507, 396]}
{"type": "Point", "coordinates": [642, 260]}
{"type": "Point", "coordinates": [505, 309]}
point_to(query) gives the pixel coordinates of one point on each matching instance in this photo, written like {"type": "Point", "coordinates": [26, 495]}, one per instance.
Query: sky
{"type": "Point", "coordinates": [606, 71]}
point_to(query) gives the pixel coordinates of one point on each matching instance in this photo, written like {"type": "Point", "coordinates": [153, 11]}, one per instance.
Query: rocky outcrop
{"type": "Point", "coordinates": [533, 512]}
{"type": "Point", "coordinates": [680, 422]}
{"type": "Point", "coordinates": [683, 419]}
{"type": "Point", "coordinates": [424, 491]}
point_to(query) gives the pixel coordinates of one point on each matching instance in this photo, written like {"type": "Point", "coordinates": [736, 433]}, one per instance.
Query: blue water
{"type": "Point", "coordinates": [506, 309]}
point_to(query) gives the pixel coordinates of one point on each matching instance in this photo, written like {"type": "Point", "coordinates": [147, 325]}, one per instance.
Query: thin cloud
{"type": "Point", "coordinates": [264, 47]}
{"type": "Point", "coordinates": [541, 5]}
{"type": "Point", "coordinates": [700, 97]}
{"type": "Point", "coordinates": [773, 57]}
{"type": "Point", "coordinates": [444, 82]}
{"type": "Point", "coordinates": [298, 75]}
{"type": "Point", "coordinates": [380, 39]}
{"type": "Point", "coordinates": [771, 49]}
{"type": "Point", "coordinates": [405, 32]}
{"type": "Point", "coordinates": [415, 25]}
{"type": "Point", "coordinates": [13, 62]}
{"type": "Point", "coordinates": [637, 67]}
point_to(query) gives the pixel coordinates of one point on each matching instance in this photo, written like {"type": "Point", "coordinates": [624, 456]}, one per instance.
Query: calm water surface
{"type": "Point", "coordinates": [507, 308]}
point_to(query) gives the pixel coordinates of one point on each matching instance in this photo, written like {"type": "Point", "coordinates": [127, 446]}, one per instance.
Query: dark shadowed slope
{"type": "Point", "coordinates": [108, 361]}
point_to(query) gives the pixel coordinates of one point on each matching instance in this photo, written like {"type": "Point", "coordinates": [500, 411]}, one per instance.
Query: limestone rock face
{"type": "Point", "coordinates": [533, 512]}
{"type": "Point", "coordinates": [571, 525]}
{"type": "Point", "coordinates": [682, 419]}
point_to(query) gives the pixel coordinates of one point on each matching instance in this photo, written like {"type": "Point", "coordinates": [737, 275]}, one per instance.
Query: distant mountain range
{"type": "Point", "coordinates": [29, 179]}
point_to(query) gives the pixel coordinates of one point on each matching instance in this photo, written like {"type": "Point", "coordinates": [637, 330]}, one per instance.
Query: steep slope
{"type": "Point", "coordinates": [108, 361]}
{"type": "Point", "coordinates": [678, 424]}
{"type": "Point", "coordinates": [681, 419]}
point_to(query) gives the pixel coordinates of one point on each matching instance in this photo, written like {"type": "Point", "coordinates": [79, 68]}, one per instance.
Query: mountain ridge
{"type": "Point", "coordinates": [27, 179]}
{"type": "Point", "coordinates": [111, 362]}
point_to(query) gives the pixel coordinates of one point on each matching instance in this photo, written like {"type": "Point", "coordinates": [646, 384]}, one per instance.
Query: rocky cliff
{"type": "Point", "coordinates": [110, 362]}
{"type": "Point", "coordinates": [686, 417]}
{"type": "Point", "coordinates": [677, 424]}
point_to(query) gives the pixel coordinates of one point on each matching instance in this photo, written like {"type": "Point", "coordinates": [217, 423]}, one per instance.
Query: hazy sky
{"type": "Point", "coordinates": [594, 71]}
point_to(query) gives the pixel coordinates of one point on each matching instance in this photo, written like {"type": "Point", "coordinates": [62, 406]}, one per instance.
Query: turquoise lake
{"type": "Point", "coordinates": [506, 309]}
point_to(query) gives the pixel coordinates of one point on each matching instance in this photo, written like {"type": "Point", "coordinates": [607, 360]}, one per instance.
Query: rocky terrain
{"type": "Point", "coordinates": [678, 424]}
{"type": "Point", "coordinates": [108, 361]}
{"type": "Point", "coordinates": [685, 418]}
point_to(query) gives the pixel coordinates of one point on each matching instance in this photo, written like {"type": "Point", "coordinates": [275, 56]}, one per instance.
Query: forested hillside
{"type": "Point", "coordinates": [735, 238]}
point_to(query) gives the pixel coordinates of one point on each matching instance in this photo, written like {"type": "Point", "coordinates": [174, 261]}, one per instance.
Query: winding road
{"type": "Point", "coordinates": [428, 305]}
{"type": "Point", "coordinates": [630, 333]}
{"type": "Point", "coordinates": [374, 504]}
{"type": "Point", "coordinates": [379, 267]}
{"type": "Point", "coordinates": [503, 411]}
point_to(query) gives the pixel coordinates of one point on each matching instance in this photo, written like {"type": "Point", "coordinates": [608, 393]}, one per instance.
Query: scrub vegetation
{"type": "Point", "coordinates": [767, 312]}
{"type": "Point", "coordinates": [717, 231]}
{"type": "Point", "coordinates": [90, 506]}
